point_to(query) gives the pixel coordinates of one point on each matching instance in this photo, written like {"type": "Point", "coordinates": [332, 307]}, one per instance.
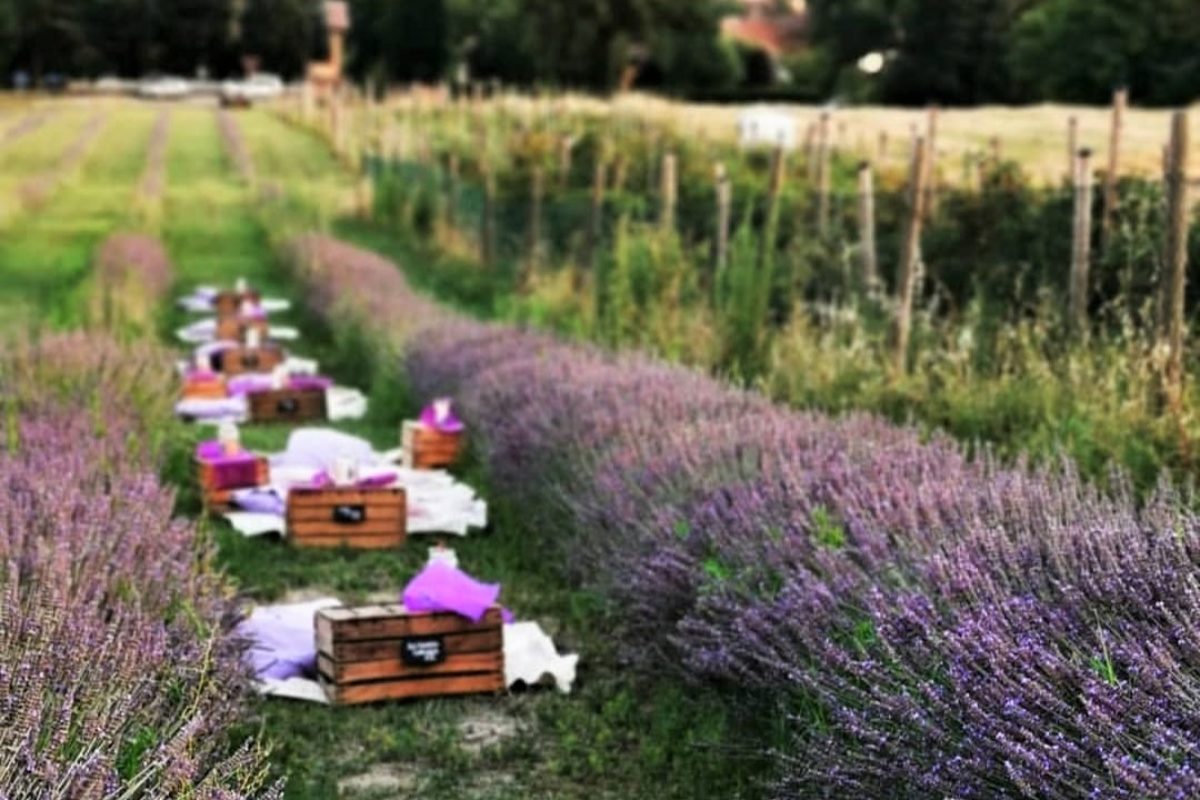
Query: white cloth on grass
{"type": "Point", "coordinates": [200, 301]}
{"type": "Point", "coordinates": [436, 502]}
{"type": "Point", "coordinates": [341, 403]}
{"type": "Point", "coordinates": [530, 656]}
{"type": "Point", "coordinates": [205, 330]}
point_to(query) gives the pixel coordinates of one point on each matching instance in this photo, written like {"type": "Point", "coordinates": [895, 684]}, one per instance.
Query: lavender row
{"type": "Point", "coordinates": [235, 145]}
{"type": "Point", "coordinates": [118, 677]}
{"type": "Point", "coordinates": [154, 176]}
{"type": "Point", "coordinates": [37, 191]}
{"type": "Point", "coordinates": [932, 625]}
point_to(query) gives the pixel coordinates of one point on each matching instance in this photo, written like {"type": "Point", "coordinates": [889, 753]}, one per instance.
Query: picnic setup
{"type": "Point", "coordinates": [445, 634]}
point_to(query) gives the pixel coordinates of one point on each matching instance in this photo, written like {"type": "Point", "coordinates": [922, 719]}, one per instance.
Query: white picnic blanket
{"type": "Point", "coordinates": [200, 301]}
{"type": "Point", "coordinates": [341, 402]}
{"type": "Point", "coordinates": [530, 655]}
{"type": "Point", "coordinates": [436, 502]}
{"type": "Point", "coordinates": [205, 330]}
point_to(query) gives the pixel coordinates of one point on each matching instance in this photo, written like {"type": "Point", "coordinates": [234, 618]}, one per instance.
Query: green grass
{"type": "Point", "coordinates": [45, 256]}
{"type": "Point", "coordinates": [619, 735]}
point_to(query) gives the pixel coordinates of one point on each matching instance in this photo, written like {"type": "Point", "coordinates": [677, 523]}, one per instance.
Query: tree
{"type": "Point", "coordinates": [402, 41]}
{"type": "Point", "coordinates": [280, 33]}
{"type": "Point", "coordinates": [1078, 50]}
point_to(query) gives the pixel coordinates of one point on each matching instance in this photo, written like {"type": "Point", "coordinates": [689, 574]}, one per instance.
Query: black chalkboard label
{"type": "Point", "coordinates": [349, 515]}
{"type": "Point", "coordinates": [250, 359]}
{"type": "Point", "coordinates": [424, 651]}
{"type": "Point", "coordinates": [288, 405]}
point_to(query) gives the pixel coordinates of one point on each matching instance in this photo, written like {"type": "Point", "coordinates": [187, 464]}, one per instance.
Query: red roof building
{"type": "Point", "coordinates": [775, 28]}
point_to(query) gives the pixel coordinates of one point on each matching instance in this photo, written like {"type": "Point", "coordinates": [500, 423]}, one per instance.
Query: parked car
{"type": "Point", "coordinates": [252, 90]}
{"type": "Point", "coordinates": [164, 88]}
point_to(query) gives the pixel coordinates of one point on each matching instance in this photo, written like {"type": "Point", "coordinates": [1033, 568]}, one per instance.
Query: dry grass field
{"type": "Point", "coordinates": [1034, 136]}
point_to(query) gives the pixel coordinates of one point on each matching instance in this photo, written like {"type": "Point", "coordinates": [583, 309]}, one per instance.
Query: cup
{"type": "Point", "coordinates": [241, 286]}
{"type": "Point", "coordinates": [253, 338]}
{"type": "Point", "coordinates": [230, 438]}
{"type": "Point", "coordinates": [345, 471]}
{"type": "Point", "coordinates": [279, 377]}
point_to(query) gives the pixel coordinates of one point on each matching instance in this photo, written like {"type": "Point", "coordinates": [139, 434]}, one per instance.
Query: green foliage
{"type": "Point", "coordinates": [406, 41]}
{"type": "Point", "coordinates": [137, 37]}
{"type": "Point", "coordinates": [1078, 50]}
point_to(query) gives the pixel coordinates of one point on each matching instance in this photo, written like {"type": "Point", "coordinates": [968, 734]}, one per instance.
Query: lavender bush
{"type": "Point", "coordinates": [930, 625]}
{"type": "Point", "coordinates": [133, 273]}
{"type": "Point", "coordinates": [118, 675]}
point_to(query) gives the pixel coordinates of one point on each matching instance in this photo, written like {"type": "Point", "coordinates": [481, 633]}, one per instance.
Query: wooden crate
{"type": "Point", "coordinates": [210, 388]}
{"type": "Point", "coordinates": [240, 360]}
{"type": "Point", "coordinates": [374, 653]}
{"type": "Point", "coordinates": [361, 519]}
{"type": "Point", "coordinates": [229, 303]}
{"type": "Point", "coordinates": [287, 405]}
{"type": "Point", "coordinates": [428, 448]}
{"type": "Point", "coordinates": [217, 485]}
{"type": "Point", "coordinates": [233, 329]}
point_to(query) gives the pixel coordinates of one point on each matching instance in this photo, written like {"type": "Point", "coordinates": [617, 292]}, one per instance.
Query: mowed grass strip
{"type": "Point", "coordinates": [46, 256]}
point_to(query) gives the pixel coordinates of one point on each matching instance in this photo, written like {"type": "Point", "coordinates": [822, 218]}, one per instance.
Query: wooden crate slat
{"type": "Point", "coordinates": [356, 694]}
{"type": "Point", "coordinates": [240, 360]}
{"type": "Point", "coordinates": [403, 626]}
{"type": "Point", "coordinates": [394, 668]}
{"type": "Point", "coordinates": [352, 542]}
{"type": "Point", "coordinates": [287, 405]}
{"type": "Point", "coordinates": [476, 641]}
{"type": "Point", "coordinates": [321, 498]}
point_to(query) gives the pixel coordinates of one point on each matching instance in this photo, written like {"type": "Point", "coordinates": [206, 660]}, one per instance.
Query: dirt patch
{"type": "Point", "coordinates": [381, 782]}
{"type": "Point", "coordinates": [478, 732]}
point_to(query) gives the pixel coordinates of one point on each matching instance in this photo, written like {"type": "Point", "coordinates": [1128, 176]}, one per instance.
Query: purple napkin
{"type": "Point", "coordinates": [441, 587]}
{"type": "Point", "coordinates": [263, 500]}
{"type": "Point", "coordinates": [323, 480]}
{"type": "Point", "coordinates": [231, 472]}
{"type": "Point", "coordinates": [301, 382]}
{"type": "Point", "coordinates": [449, 423]}
{"type": "Point", "coordinates": [282, 640]}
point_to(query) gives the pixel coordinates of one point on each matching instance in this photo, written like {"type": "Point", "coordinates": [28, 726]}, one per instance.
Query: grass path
{"type": "Point", "coordinates": [616, 737]}
{"type": "Point", "coordinates": [45, 256]}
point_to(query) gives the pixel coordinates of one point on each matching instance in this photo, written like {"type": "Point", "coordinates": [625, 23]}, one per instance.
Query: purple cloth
{"type": "Point", "coordinates": [441, 587]}
{"type": "Point", "coordinates": [231, 472]}
{"type": "Point", "coordinates": [323, 480]}
{"type": "Point", "coordinates": [283, 643]}
{"type": "Point", "coordinates": [301, 382]}
{"type": "Point", "coordinates": [261, 382]}
{"type": "Point", "coordinates": [448, 424]}
{"type": "Point", "coordinates": [260, 501]}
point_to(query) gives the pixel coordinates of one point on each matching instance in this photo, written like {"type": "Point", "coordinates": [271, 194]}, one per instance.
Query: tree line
{"type": "Point", "coordinates": [944, 51]}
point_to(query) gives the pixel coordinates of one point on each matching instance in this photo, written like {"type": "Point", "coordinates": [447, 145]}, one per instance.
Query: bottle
{"type": "Point", "coordinates": [230, 438]}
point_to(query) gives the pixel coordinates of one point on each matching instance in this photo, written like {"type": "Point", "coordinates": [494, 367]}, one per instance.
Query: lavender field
{"type": "Point", "coordinates": [771, 598]}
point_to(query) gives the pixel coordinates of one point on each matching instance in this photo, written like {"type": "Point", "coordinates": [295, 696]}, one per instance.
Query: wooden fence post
{"type": "Point", "coordinates": [1072, 146]}
{"type": "Point", "coordinates": [724, 216]}
{"type": "Point", "coordinates": [931, 161]}
{"type": "Point", "coordinates": [487, 229]}
{"type": "Point", "coordinates": [866, 228]}
{"type": "Point", "coordinates": [1179, 212]}
{"type": "Point", "coordinates": [1081, 247]}
{"type": "Point", "coordinates": [565, 147]}
{"type": "Point", "coordinates": [774, 189]}
{"type": "Point", "coordinates": [595, 229]}
{"type": "Point", "coordinates": [910, 253]}
{"type": "Point", "coordinates": [823, 176]}
{"type": "Point", "coordinates": [1120, 101]}
{"type": "Point", "coordinates": [537, 188]}
{"type": "Point", "coordinates": [883, 147]}
{"type": "Point", "coordinates": [452, 171]}
{"type": "Point", "coordinates": [669, 191]}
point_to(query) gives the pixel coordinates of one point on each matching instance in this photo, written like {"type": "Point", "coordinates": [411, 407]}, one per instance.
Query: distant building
{"type": "Point", "coordinates": [326, 76]}
{"type": "Point", "coordinates": [776, 28]}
